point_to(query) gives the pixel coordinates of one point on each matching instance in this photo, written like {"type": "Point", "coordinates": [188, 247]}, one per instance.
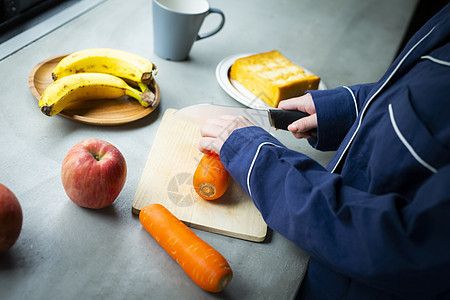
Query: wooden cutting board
{"type": "Point", "coordinates": [167, 179]}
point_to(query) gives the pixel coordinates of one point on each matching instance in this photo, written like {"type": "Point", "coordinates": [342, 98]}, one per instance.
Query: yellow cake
{"type": "Point", "coordinates": [272, 77]}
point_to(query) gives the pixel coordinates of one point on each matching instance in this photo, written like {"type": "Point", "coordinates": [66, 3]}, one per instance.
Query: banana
{"type": "Point", "coordinates": [109, 61]}
{"type": "Point", "coordinates": [86, 86]}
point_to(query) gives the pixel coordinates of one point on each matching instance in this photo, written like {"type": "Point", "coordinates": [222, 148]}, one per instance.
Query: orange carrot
{"type": "Point", "coordinates": [202, 263]}
{"type": "Point", "coordinates": [210, 178]}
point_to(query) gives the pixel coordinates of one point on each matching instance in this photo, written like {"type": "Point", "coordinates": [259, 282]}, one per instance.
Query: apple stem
{"type": "Point", "coordinates": [96, 156]}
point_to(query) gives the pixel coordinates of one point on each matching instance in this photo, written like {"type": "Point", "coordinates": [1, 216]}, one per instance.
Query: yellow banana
{"type": "Point", "coordinates": [86, 86]}
{"type": "Point", "coordinates": [109, 61]}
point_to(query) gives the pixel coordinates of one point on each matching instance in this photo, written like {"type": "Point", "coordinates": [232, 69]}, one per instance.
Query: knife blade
{"type": "Point", "coordinates": [265, 118]}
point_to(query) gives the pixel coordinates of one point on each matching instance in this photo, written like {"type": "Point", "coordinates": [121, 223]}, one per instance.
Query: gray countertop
{"type": "Point", "coordinates": [67, 252]}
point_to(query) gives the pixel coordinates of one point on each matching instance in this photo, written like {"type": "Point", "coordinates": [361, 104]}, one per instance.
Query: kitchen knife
{"type": "Point", "coordinates": [264, 118]}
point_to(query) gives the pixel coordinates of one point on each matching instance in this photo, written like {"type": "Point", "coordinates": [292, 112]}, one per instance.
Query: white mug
{"type": "Point", "coordinates": [176, 25]}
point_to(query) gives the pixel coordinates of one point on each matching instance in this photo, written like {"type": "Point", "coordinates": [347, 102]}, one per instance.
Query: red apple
{"type": "Point", "coordinates": [93, 173]}
{"type": "Point", "coordinates": [10, 218]}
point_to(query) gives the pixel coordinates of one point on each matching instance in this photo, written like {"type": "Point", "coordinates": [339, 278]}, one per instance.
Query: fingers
{"type": "Point", "coordinates": [304, 135]}
{"type": "Point", "coordinates": [304, 124]}
{"type": "Point", "coordinates": [305, 127]}
{"type": "Point", "coordinates": [223, 126]}
{"type": "Point", "coordinates": [215, 131]}
{"type": "Point", "coordinates": [303, 103]}
{"type": "Point", "coordinates": [207, 144]}
{"type": "Point", "coordinates": [289, 104]}
{"type": "Point", "coordinates": [211, 139]}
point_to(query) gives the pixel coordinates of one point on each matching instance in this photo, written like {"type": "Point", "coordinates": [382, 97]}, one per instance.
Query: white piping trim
{"type": "Point", "coordinates": [376, 94]}
{"type": "Point", "coordinates": [253, 163]}
{"type": "Point", "coordinates": [354, 99]}
{"type": "Point", "coordinates": [438, 61]}
{"type": "Point", "coordinates": [407, 145]}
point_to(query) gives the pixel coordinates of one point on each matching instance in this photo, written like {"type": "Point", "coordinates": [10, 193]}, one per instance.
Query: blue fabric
{"type": "Point", "coordinates": [376, 221]}
{"type": "Point", "coordinates": [344, 103]}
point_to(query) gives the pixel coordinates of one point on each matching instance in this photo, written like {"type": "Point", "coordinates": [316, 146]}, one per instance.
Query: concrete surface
{"type": "Point", "coordinates": [67, 252]}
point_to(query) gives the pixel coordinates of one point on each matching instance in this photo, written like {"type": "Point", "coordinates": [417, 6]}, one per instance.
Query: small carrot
{"type": "Point", "coordinates": [210, 178]}
{"type": "Point", "coordinates": [202, 263]}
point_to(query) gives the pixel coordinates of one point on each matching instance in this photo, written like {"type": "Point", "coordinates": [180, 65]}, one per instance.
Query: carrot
{"type": "Point", "coordinates": [210, 178]}
{"type": "Point", "coordinates": [202, 263]}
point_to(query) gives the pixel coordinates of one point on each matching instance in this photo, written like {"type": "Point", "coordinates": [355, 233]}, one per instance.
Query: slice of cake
{"type": "Point", "coordinates": [272, 77]}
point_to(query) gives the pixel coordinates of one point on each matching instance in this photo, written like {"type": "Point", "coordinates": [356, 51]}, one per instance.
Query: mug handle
{"type": "Point", "coordinates": [216, 30]}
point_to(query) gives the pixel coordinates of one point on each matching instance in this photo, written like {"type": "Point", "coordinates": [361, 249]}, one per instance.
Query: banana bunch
{"type": "Point", "coordinates": [109, 61]}
{"type": "Point", "coordinates": [99, 74]}
{"type": "Point", "coordinates": [87, 86]}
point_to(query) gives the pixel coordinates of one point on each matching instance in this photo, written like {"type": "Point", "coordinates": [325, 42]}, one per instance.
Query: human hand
{"type": "Point", "coordinates": [215, 131]}
{"type": "Point", "coordinates": [305, 127]}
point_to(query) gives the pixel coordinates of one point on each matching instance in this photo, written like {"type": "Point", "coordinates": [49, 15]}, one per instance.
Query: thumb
{"type": "Point", "coordinates": [304, 124]}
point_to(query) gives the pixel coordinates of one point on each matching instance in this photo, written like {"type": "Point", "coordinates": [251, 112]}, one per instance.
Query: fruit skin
{"type": "Point", "coordinates": [10, 218]}
{"type": "Point", "coordinates": [93, 173]}
{"type": "Point", "coordinates": [87, 86]}
{"type": "Point", "coordinates": [109, 61]}
{"type": "Point", "coordinates": [201, 262]}
{"type": "Point", "coordinates": [210, 178]}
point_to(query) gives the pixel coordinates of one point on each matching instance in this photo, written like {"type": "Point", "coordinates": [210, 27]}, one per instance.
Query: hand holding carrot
{"type": "Point", "coordinates": [215, 131]}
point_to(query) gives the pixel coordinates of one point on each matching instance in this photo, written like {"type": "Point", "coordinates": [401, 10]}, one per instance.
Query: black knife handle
{"type": "Point", "coordinates": [281, 119]}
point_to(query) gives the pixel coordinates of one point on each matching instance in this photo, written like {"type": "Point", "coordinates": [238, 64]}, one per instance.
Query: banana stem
{"type": "Point", "coordinates": [142, 86]}
{"type": "Point", "coordinates": [146, 98]}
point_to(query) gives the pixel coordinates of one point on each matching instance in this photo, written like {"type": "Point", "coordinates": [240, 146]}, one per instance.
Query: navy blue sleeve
{"type": "Point", "coordinates": [343, 227]}
{"type": "Point", "coordinates": [336, 111]}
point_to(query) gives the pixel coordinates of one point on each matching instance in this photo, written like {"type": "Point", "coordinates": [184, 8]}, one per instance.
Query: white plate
{"type": "Point", "coordinates": [236, 90]}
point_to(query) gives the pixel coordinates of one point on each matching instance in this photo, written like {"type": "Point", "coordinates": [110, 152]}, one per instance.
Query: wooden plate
{"type": "Point", "coordinates": [105, 112]}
